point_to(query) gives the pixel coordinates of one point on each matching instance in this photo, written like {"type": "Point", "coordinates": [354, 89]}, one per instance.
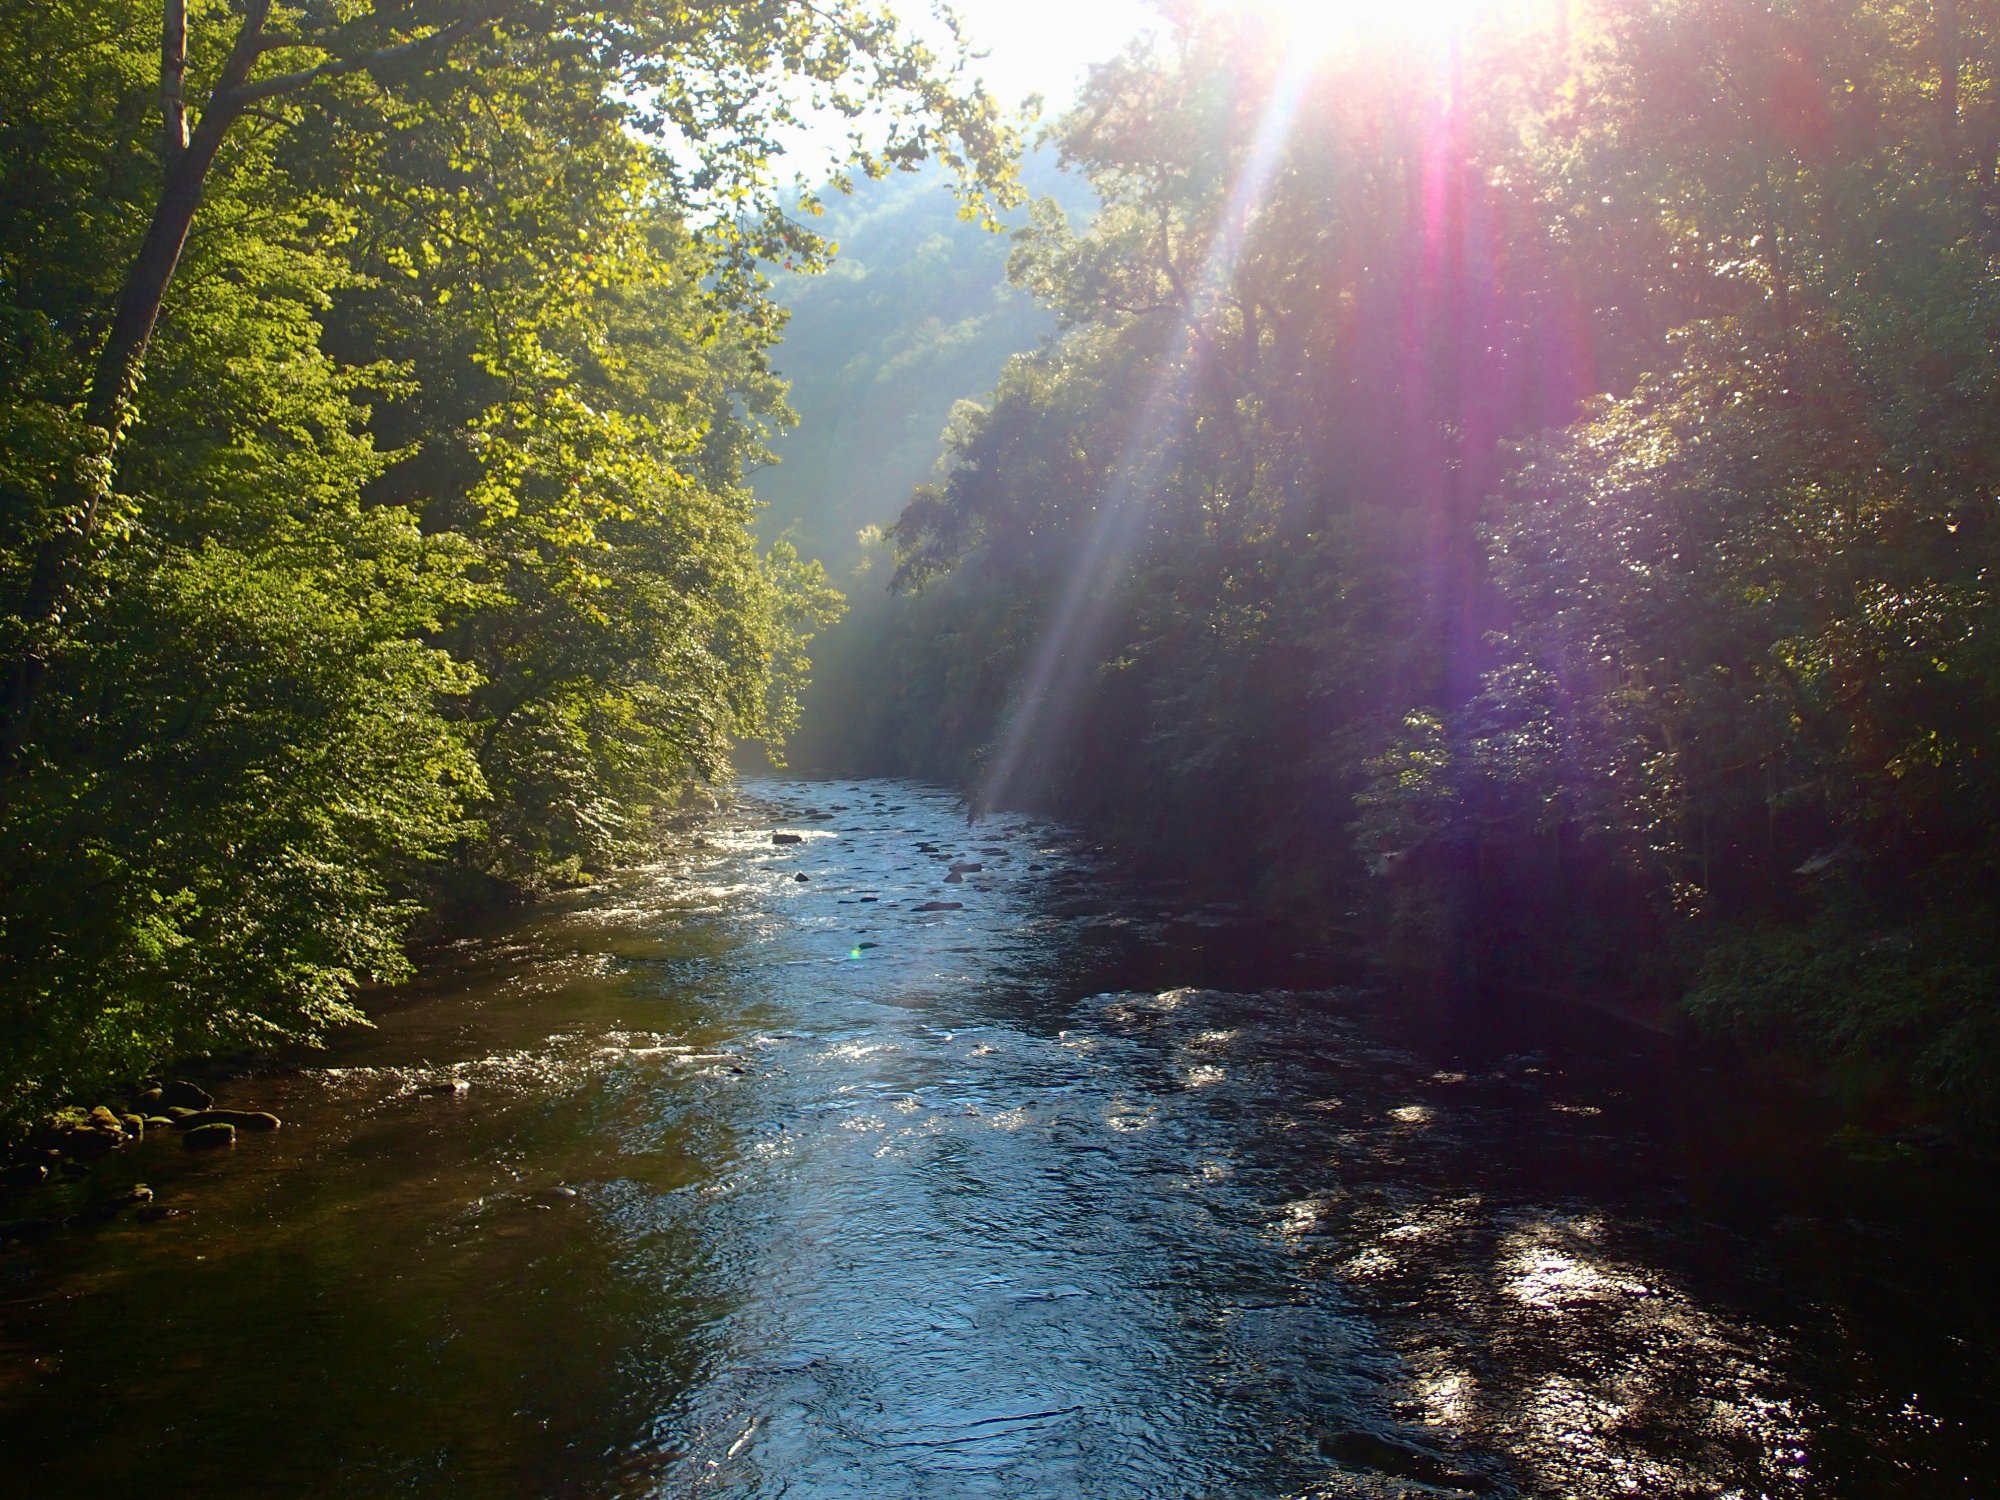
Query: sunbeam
{"type": "Point", "coordinates": [1051, 686]}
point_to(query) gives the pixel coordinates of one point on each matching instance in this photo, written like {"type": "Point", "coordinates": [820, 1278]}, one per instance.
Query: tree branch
{"type": "Point", "coordinates": [339, 67]}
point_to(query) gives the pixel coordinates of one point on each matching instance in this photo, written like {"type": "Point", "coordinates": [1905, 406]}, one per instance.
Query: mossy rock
{"type": "Point", "coordinates": [87, 1136]}
{"type": "Point", "coordinates": [180, 1111]}
{"type": "Point", "coordinates": [159, 1122]}
{"type": "Point", "coordinates": [208, 1137]}
{"type": "Point", "coordinates": [134, 1124]}
{"type": "Point", "coordinates": [242, 1119]}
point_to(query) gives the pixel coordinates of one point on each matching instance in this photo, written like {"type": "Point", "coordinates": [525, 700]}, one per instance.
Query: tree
{"type": "Point", "coordinates": [422, 552]}
{"type": "Point", "coordinates": [709, 75]}
{"type": "Point", "coordinates": [1565, 537]}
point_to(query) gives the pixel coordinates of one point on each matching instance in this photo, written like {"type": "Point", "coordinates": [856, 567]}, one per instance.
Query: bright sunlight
{"type": "Point", "coordinates": [1323, 27]}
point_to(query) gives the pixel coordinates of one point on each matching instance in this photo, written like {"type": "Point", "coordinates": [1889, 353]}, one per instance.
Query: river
{"type": "Point", "coordinates": [717, 1180]}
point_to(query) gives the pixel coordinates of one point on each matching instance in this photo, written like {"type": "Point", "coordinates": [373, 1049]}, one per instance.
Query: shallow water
{"type": "Point", "coordinates": [761, 1187]}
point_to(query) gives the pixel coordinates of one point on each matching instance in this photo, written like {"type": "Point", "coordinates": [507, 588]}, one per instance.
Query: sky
{"type": "Point", "coordinates": [1044, 46]}
{"type": "Point", "coordinates": [1031, 47]}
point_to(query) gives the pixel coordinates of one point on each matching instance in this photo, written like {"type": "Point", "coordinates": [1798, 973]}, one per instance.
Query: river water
{"type": "Point", "coordinates": [721, 1181]}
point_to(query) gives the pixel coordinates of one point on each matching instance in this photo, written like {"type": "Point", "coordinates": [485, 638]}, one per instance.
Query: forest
{"type": "Point", "coordinates": [1522, 505]}
{"type": "Point", "coordinates": [377, 388]}
{"type": "Point", "coordinates": [1000, 749]}
{"type": "Point", "coordinates": [1527, 507]}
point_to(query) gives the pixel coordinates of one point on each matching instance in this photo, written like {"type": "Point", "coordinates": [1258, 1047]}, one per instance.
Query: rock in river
{"type": "Point", "coordinates": [788, 838]}
{"type": "Point", "coordinates": [206, 1137]}
{"type": "Point", "coordinates": [940, 906]}
{"type": "Point", "coordinates": [1387, 1455]}
{"type": "Point", "coordinates": [241, 1119]}
{"type": "Point", "coordinates": [87, 1136]}
{"type": "Point", "coordinates": [180, 1094]}
{"type": "Point", "coordinates": [109, 1207]}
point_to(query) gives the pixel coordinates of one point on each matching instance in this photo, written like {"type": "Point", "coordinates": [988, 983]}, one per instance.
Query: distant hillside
{"type": "Point", "coordinates": [915, 314]}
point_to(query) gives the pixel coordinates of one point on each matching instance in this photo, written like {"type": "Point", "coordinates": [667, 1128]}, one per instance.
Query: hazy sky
{"type": "Point", "coordinates": [1032, 46]}
{"type": "Point", "coordinates": [1044, 46]}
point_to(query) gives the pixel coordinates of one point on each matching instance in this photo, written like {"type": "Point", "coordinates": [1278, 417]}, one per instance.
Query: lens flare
{"type": "Point", "coordinates": [1322, 27]}
{"type": "Point", "coordinates": [1058, 673]}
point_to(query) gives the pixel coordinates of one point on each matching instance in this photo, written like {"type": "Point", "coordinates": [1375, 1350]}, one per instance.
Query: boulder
{"type": "Point", "coordinates": [90, 1140]}
{"type": "Point", "coordinates": [208, 1137]}
{"type": "Point", "coordinates": [180, 1094]}
{"type": "Point", "coordinates": [940, 906]}
{"type": "Point", "coordinates": [788, 838]}
{"type": "Point", "coordinates": [802, 876]}
{"type": "Point", "coordinates": [159, 1122]}
{"type": "Point", "coordinates": [24, 1174]}
{"type": "Point", "coordinates": [133, 1124]}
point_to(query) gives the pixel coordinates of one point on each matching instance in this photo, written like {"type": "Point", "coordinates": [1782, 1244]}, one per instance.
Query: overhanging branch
{"type": "Point", "coordinates": [340, 67]}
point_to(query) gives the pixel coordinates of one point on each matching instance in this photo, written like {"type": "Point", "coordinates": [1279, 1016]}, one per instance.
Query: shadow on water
{"type": "Point", "coordinates": [968, 1166]}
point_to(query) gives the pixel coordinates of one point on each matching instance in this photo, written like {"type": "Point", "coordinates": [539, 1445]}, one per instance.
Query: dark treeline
{"type": "Point", "coordinates": [377, 389]}
{"type": "Point", "coordinates": [1531, 502]}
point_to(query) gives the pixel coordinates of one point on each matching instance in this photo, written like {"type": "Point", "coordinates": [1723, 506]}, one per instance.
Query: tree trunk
{"type": "Point", "coordinates": [108, 406]}
{"type": "Point", "coordinates": [107, 403]}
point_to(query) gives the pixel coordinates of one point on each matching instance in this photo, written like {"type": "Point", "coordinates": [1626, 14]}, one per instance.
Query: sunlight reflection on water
{"type": "Point", "coordinates": [674, 1190]}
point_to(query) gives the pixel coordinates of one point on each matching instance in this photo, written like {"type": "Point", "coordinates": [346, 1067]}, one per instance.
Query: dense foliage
{"type": "Point", "coordinates": [410, 545]}
{"type": "Point", "coordinates": [1534, 496]}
